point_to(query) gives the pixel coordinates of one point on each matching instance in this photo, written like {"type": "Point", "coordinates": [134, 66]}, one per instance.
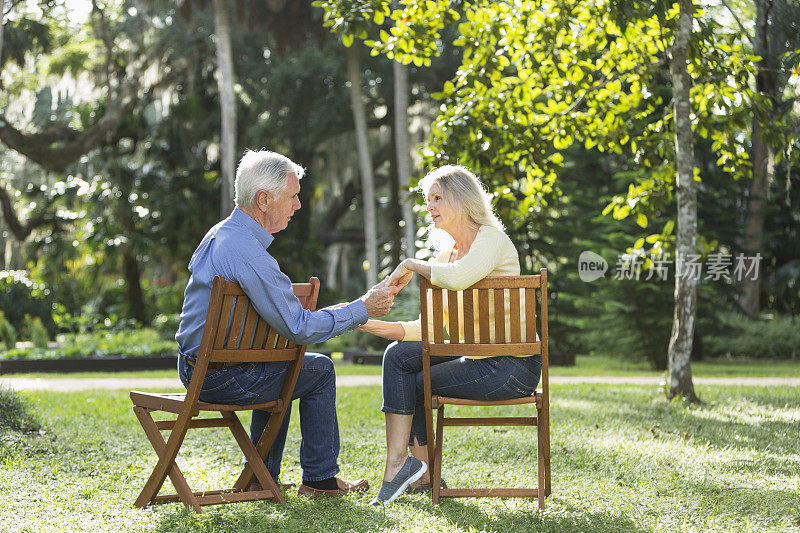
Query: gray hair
{"type": "Point", "coordinates": [262, 170]}
{"type": "Point", "coordinates": [464, 192]}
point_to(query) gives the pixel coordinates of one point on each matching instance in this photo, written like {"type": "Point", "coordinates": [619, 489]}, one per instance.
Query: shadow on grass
{"type": "Point", "coordinates": [299, 514]}
{"type": "Point", "coordinates": [469, 515]}
{"type": "Point", "coordinates": [344, 515]}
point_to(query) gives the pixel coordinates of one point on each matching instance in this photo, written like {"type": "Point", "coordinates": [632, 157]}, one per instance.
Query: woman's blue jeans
{"type": "Point", "coordinates": [490, 378]}
{"type": "Point", "coordinates": [251, 383]}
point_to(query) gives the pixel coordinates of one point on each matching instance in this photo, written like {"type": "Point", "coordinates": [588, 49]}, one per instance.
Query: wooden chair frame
{"type": "Point", "coordinates": [482, 344]}
{"type": "Point", "coordinates": [233, 333]}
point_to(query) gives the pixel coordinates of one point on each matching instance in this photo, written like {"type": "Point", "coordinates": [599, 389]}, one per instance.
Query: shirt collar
{"type": "Point", "coordinates": [263, 237]}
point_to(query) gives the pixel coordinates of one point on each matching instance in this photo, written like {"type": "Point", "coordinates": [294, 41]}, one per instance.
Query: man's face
{"type": "Point", "coordinates": [281, 209]}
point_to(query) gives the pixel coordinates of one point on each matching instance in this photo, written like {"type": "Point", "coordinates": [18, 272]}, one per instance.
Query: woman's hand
{"type": "Point", "coordinates": [401, 275]}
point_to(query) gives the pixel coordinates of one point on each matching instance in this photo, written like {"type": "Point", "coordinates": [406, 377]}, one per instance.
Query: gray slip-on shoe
{"type": "Point", "coordinates": [411, 471]}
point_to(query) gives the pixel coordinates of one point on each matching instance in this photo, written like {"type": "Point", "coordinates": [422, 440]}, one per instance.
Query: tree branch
{"type": "Point", "coordinates": [20, 230]}
{"type": "Point", "coordinates": [58, 146]}
{"type": "Point", "coordinates": [739, 22]}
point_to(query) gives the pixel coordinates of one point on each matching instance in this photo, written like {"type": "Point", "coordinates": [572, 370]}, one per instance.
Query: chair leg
{"type": "Point", "coordinates": [546, 442]}
{"type": "Point", "coordinates": [436, 460]}
{"type": "Point", "coordinates": [262, 447]}
{"type": "Point", "coordinates": [250, 452]}
{"type": "Point", "coordinates": [149, 492]}
{"type": "Point", "coordinates": [431, 440]}
{"type": "Point", "coordinates": [540, 462]}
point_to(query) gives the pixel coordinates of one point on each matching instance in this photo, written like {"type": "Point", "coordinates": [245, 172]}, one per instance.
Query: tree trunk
{"type": "Point", "coordinates": [133, 276]}
{"type": "Point", "coordinates": [404, 155]}
{"type": "Point", "coordinates": [227, 99]}
{"type": "Point", "coordinates": [680, 344]}
{"type": "Point", "coordinates": [401, 90]}
{"type": "Point", "coordinates": [365, 165]}
{"type": "Point", "coordinates": [762, 155]}
{"type": "Point", "coordinates": [2, 23]}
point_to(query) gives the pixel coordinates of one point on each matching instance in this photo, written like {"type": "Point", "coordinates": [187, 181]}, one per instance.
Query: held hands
{"type": "Point", "coordinates": [401, 276]}
{"type": "Point", "coordinates": [379, 298]}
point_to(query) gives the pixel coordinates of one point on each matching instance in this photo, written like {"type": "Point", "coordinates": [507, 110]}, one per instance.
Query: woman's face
{"type": "Point", "coordinates": [443, 215]}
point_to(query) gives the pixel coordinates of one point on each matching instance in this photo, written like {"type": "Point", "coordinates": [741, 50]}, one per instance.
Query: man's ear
{"type": "Point", "coordinates": [263, 198]}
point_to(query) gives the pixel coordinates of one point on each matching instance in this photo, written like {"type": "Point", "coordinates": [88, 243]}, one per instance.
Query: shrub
{"type": "Point", "coordinates": [8, 336]}
{"type": "Point", "coordinates": [143, 342]}
{"type": "Point", "coordinates": [20, 296]}
{"type": "Point", "coordinates": [36, 332]}
{"type": "Point", "coordinates": [776, 337]}
{"type": "Point", "coordinates": [15, 413]}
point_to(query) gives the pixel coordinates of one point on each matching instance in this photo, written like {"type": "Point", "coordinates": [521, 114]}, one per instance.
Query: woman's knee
{"type": "Point", "coordinates": [402, 355]}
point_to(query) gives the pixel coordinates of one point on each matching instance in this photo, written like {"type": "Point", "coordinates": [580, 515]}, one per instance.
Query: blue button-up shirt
{"type": "Point", "coordinates": [236, 248]}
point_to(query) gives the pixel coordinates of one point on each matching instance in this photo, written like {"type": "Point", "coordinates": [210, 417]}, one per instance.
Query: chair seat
{"type": "Point", "coordinates": [436, 401]}
{"type": "Point", "coordinates": [173, 402]}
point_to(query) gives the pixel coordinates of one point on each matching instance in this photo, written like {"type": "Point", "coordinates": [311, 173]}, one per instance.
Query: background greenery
{"type": "Point", "coordinates": [99, 239]}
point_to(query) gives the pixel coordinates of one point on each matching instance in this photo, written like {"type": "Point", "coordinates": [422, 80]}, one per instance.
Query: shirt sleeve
{"type": "Point", "coordinates": [270, 291]}
{"type": "Point", "coordinates": [486, 252]}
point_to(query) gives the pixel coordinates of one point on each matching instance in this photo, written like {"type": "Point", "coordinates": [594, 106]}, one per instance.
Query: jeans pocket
{"type": "Point", "coordinates": [511, 389]}
{"type": "Point", "coordinates": [222, 391]}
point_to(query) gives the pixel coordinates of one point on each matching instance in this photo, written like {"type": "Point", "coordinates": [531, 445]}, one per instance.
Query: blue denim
{"type": "Point", "coordinates": [251, 383]}
{"type": "Point", "coordinates": [489, 378]}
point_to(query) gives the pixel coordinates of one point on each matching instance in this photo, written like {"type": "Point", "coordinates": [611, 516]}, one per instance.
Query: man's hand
{"type": "Point", "coordinates": [379, 299]}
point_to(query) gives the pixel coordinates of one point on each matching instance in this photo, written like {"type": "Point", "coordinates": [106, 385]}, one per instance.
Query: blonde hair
{"type": "Point", "coordinates": [464, 193]}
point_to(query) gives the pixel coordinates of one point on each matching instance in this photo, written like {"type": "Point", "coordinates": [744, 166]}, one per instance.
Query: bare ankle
{"type": "Point", "coordinates": [393, 466]}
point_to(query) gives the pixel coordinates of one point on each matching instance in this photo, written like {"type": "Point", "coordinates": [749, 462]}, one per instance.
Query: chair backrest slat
{"type": "Point", "coordinates": [452, 316]}
{"type": "Point", "coordinates": [269, 343]}
{"type": "Point", "coordinates": [515, 312]}
{"type": "Point", "coordinates": [530, 315]}
{"type": "Point", "coordinates": [223, 320]}
{"type": "Point", "coordinates": [469, 316]}
{"type": "Point", "coordinates": [499, 315]}
{"type": "Point", "coordinates": [249, 326]}
{"type": "Point", "coordinates": [259, 337]}
{"type": "Point", "coordinates": [236, 326]}
{"type": "Point", "coordinates": [483, 315]}
{"type": "Point", "coordinates": [438, 317]}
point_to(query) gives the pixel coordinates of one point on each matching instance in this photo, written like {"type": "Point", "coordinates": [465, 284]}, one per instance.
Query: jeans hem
{"type": "Point", "coordinates": [394, 411]}
{"type": "Point", "coordinates": [323, 477]}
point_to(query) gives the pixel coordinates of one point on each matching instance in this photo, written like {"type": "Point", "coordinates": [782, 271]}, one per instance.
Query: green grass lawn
{"type": "Point", "coordinates": [584, 366]}
{"type": "Point", "coordinates": [623, 459]}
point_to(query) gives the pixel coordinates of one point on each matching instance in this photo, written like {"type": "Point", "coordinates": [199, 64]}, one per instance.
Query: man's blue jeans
{"type": "Point", "coordinates": [490, 378]}
{"type": "Point", "coordinates": [261, 382]}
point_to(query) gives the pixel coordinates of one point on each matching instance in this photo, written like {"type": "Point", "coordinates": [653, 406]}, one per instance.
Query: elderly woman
{"type": "Point", "coordinates": [474, 246]}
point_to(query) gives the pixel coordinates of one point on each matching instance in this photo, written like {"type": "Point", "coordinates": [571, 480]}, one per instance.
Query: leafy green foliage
{"type": "Point", "coordinates": [21, 296]}
{"type": "Point", "coordinates": [35, 331]}
{"type": "Point", "coordinates": [8, 335]}
{"type": "Point", "coordinates": [773, 337]}
{"type": "Point", "coordinates": [145, 342]}
{"type": "Point", "coordinates": [15, 413]}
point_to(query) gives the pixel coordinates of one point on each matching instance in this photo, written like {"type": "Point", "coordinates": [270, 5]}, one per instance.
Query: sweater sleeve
{"type": "Point", "coordinates": [413, 328]}
{"type": "Point", "coordinates": [484, 255]}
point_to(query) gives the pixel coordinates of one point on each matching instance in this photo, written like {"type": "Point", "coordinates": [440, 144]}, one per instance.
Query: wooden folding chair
{"type": "Point", "coordinates": [518, 295]}
{"type": "Point", "coordinates": [233, 333]}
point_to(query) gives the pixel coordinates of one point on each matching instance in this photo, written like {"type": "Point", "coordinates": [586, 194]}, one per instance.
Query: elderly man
{"type": "Point", "coordinates": [267, 185]}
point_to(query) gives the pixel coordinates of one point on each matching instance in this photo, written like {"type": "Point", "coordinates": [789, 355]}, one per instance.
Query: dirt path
{"type": "Point", "coordinates": [79, 384]}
